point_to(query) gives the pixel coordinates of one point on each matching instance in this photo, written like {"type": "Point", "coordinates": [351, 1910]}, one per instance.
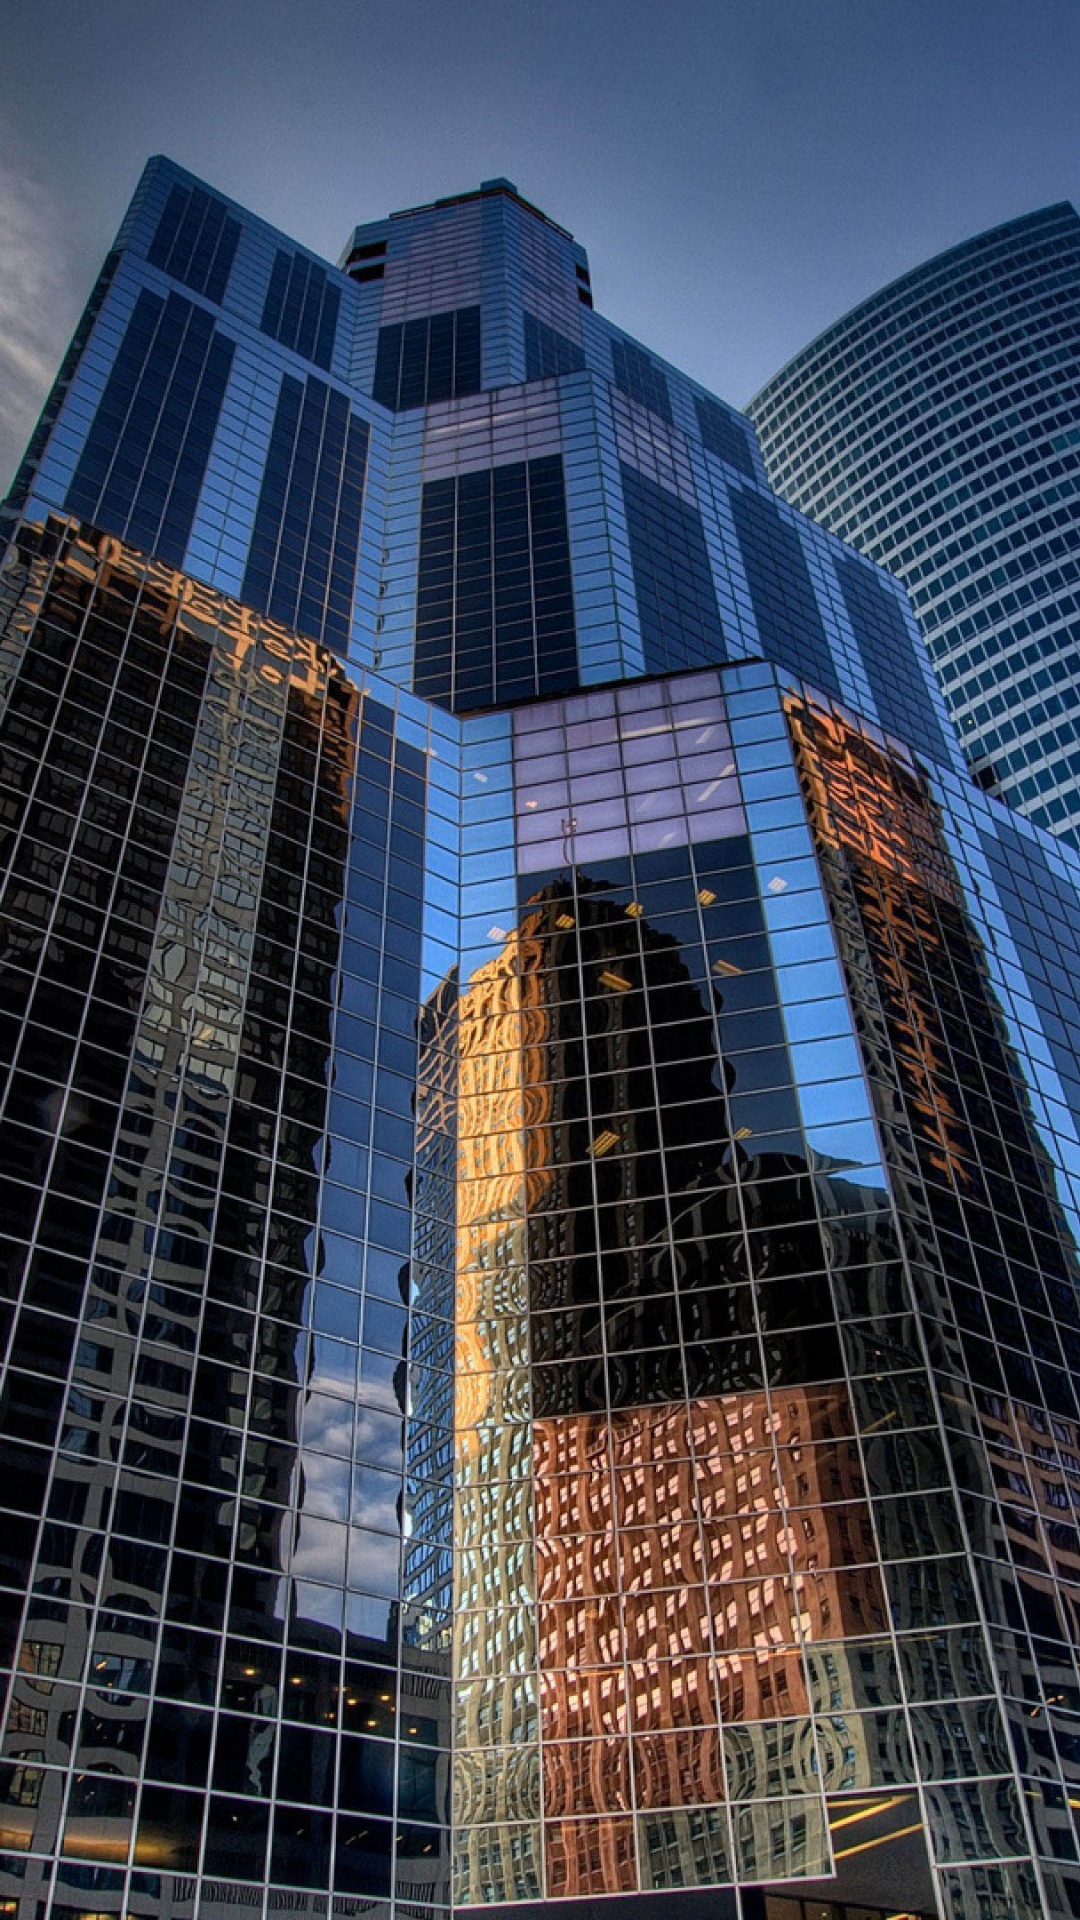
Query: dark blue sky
{"type": "Point", "coordinates": [741, 171]}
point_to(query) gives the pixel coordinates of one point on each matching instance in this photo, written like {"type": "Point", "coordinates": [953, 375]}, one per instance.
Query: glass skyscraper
{"type": "Point", "coordinates": [937, 428]}
{"type": "Point", "coordinates": [540, 1139]}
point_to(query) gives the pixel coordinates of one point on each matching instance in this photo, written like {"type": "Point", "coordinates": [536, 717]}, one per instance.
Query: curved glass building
{"type": "Point", "coordinates": [937, 428]}
{"type": "Point", "coordinates": [539, 1140]}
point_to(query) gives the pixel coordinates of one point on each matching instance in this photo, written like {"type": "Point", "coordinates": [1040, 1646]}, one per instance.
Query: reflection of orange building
{"type": "Point", "coordinates": [499, 1117]}
{"type": "Point", "coordinates": [874, 808]}
{"type": "Point", "coordinates": [500, 1125]}
{"type": "Point", "coordinates": [684, 1555]}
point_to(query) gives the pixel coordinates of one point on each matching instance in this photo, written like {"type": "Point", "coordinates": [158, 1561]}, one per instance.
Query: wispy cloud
{"type": "Point", "coordinates": [39, 304]}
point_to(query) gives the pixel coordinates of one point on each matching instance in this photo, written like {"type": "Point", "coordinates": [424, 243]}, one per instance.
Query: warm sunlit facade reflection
{"type": "Point", "coordinates": [694, 1565]}
{"type": "Point", "coordinates": [733, 1539]}
{"type": "Point", "coordinates": [500, 1125]}
{"type": "Point", "coordinates": [993, 1264]}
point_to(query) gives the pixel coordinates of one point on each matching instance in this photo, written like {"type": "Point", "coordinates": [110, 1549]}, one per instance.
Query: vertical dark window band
{"type": "Point", "coordinates": [145, 457]}
{"type": "Point", "coordinates": [467, 353]}
{"type": "Point", "coordinates": [434, 357]}
{"type": "Point", "coordinates": [495, 612]}
{"type": "Point", "coordinates": [724, 435]}
{"type": "Point", "coordinates": [549, 353]}
{"type": "Point", "coordinates": [676, 596]}
{"type": "Point", "coordinates": [886, 647]}
{"type": "Point", "coordinates": [196, 241]}
{"type": "Point", "coordinates": [1042, 912]}
{"type": "Point", "coordinates": [640, 377]}
{"type": "Point", "coordinates": [785, 606]}
{"type": "Point", "coordinates": [302, 562]}
{"type": "Point", "coordinates": [388, 366]}
{"type": "Point", "coordinates": [302, 307]}
{"type": "Point", "coordinates": [433, 661]}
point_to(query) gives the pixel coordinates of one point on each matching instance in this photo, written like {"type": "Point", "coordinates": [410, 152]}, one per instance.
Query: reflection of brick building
{"type": "Point", "coordinates": [735, 1531]}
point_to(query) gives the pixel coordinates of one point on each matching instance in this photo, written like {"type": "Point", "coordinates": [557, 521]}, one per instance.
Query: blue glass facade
{"type": "Point", "coordinates": [302, 306]}
{"type": "Point", "coordinates": [144, 460]}
{"type": "Point", "coordinates": [433, 358]}
{"type": "Point", "coordinates": [785, 607]}
{"type": "Point", "coordinates": [937, 427]}
{"type": "Point", "coordinates": [196, 241]}
{"type": "Point", "coordinates": [676, 598]}
{"type": "Point", "coordinates": [302, 560]}
{"type": "Point", "coordinates": [494, 605]}
{"type": "Point", "coordinates": [539, 1135]}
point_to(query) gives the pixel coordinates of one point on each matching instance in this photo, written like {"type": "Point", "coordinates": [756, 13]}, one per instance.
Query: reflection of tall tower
{"type": "Point", "coordinates": [690, 1553]}
{"type": "Point", "coordinates": [637, 1126]}
{"type": "Point", "coordinates": [175, 1267]}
